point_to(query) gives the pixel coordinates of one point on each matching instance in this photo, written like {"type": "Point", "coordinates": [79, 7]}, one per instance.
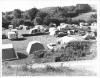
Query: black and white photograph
{"type": "Point", "coordinates": [49, 38]}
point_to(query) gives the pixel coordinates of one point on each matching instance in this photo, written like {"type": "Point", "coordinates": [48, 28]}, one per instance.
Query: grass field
{"type": "Point", "coordinates": [20, 48]}
{"type": "Point", "coordinates": [47, 71]}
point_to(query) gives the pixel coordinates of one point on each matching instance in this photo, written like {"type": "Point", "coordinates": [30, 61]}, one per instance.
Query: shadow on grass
{"type": "Point", "coordinates": [19, 39]}
{"type": "Point", "coordinates": [37, 34]}
{"type": "Point", "coordinates": [61, 35]}
{"type": "Point", "coordinates": [21, 55]}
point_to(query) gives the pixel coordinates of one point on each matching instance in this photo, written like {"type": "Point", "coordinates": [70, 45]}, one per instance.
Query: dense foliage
{"type": "Point", "coordinates": [75, 50]}
{"type": "Point", "coordinates": [46, 16]}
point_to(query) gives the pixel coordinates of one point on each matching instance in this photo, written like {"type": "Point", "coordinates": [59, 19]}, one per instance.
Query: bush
{"type": "Point", "coordinates": [4, 36]}
{"type": "Point", "coordinates": [73, 51]}
{"type": "Point", "coordinates": [48, 20]}
{"type": "Point", "coordinates": [77, 21]}
{"type": "Point", "coordinates": [71, 14]}
{"type": "Point", "coordinates": [89, 37]}
{"type": "Point", "coordinates": [52, 69]}
{"type": "Point", "coordinates": [24, 68]}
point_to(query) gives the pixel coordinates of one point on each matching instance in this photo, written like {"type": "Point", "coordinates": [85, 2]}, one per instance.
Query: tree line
{"type": "Point", "coordinates": [44, 16]}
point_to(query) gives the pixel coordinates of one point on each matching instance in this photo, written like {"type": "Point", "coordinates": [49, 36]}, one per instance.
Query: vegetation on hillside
{"type": "Point", "coordinates": [45, 16]}
{"type": "Point", "coordinates": [86, 17]}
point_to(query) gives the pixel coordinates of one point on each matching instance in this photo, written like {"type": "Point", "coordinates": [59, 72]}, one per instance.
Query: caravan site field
{"type": "Point", "coordinates": [61, 40]}
{"type": "Point", "coordinates": [24, 59]}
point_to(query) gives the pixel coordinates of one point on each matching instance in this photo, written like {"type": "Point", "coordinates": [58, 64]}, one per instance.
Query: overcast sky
{"type": "Point", "coordinates": [9, 5]}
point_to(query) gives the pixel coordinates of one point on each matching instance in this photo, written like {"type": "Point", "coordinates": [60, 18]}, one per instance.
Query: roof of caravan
{"type": "Point", "coordinates": [4, 46]}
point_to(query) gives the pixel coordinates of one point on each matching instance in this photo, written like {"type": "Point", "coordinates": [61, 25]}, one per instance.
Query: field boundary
{"type": "Point", "coordinates": [89, 65]}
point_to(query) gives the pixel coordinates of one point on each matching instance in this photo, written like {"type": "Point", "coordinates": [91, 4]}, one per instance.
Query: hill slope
{"type": "Point", "coordinates": [84, 16]}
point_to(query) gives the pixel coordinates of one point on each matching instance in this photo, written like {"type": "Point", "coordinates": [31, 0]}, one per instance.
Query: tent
{"type": "Point", "coordinates": [52, 31]}
{"type": "Point", "coordinates": [34, 31]}
{"type": "Point", "coordinates": [62, 27]}
{"type": "Point", "coordinates": [94, 28]}
{"type": "Point", "coordinates": [85, 28]}
{"type": "Point", "coordinates": [12, 35]}
{"type": "Point", "coordinates": [66, 39]}
{"type": "Point", "coordinates": [20, 27]}
{"type": "Point", "coordinates": [40, 27]}
{"type": "Point", "coordinates": [25, 27]}
{"type": "Point", "coordinates": [81, 23]}
{"type": "Point", "coordinates": [51, 46]}
{"type": "Point", "coordinates": [34, 46]}
{"type": "Point", "coordinates": [8, 52]}
{"type": "Point", "coordinates": [68, 32]}
{"type": "Point", "coordinates": [11, 26]}
{"type": "Point", "coordinates": [89, 36]}
{"type": "Point", "coordinates": [71, 32]}
{"type": "Point", "coordinates": [62, 24]}
{"type": "Point", "coordinates": [14, 30]}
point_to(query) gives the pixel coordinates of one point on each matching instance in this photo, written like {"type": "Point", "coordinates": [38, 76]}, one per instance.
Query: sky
{"type": "Point", "coordinates": [9, 5]}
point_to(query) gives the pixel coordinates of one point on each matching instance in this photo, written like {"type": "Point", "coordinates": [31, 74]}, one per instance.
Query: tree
{"type": "Point", "coordinates": [69, 20]}
{"type": "Point", "coordinates": [82, 8]}
{"type": "Point", "coordinates": [17, 13]}
{"type": "Point", "coordinates": [5, 22]}
{"type": "Point", "coordinates": [46, 20]}
{"type": "Point", "coordinates": [41, 14]}
{"type": "Point", "coordinates": [28, 23]}
{"type": "Point", "coordinates": [16, 22]}
{"type": "Point", "coordinates": [32, 13]}
{"type": "Point", "coordinates": [71, 14]}
{"type": "Point", "coordinates": [9, 17]}
{"type": "Point", "coordinates": [70, 8]}
{"type": "Point", "coordinates": [94, 16]}
{"type": "Point", "coordinates": [38, 21]}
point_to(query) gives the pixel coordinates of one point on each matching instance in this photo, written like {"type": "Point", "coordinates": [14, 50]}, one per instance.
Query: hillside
{"type": "Point", "coordinates": [52, 9]}
{"type": "Point", "coordinates": [48, 9]}
{"type": "Point", "coordinates": [84, 16]}
{"type": "Point", "coordinates": [47, 15]}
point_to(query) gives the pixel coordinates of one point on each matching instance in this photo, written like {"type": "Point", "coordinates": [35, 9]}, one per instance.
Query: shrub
{"type": "Point", "coordinates": [24, 68]}
{"type": "Point", "coordinates": [4, 36]}
{"type": "Point", "coordinates": [52, 69]}
{"type": "Point", "coordinates": [48, 21]}
{"type": "Point", "coordinates": [88, 37]}
{"type": "Point", "coordinates": [73, 51]}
